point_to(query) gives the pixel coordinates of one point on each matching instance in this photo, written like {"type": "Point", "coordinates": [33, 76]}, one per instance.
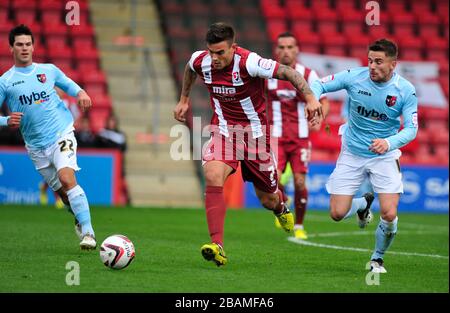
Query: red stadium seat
{"type": "Point", "coordinates": [436, 48]}
{"type": "Point", "coordinates": [357, 42]}
{"type": "Point", "coordinates": [272, 9]}
{"type": "Point", "coordinates": [26, 17]}
{"type": "Point", "coordinates": [394, 6]}
{"type": "Point", "coordinates": [4, 4]}
{"type": "Point", "coordinates": [347, 5]}
{"type": "Point", "coordinates": [320, 4]}
{"type": "Point", "coordinates": [298, 12]}
{"type": "Point", "coordinates": [51, 5]}
{"type": "Point", "coordinates": [40, 53]}
{"type": "Point", "coordinates": [326, 21]}
{"type": "Point", "coordinates": [19, 5]}
{"type": "Point", "coordinates": [428, 25]}
{"type": "Point", "coordinates": [276, 27]}
{"type": "Point", "coordinates": [55, 41]}
{"type": "Point", "coordinates": [420, 7]}
{"type": "Point", "coordinates": [308, 42]}
{"type": "Point", "coordinates": [101, 101]}
{"type": "Point", "coordinates": [410, 48]}
{"type": "Point", "coordinates": [411, 147]}
{"type": "Point", "coordinates": [97, 118]}
{"type": "Point", "coordinates": [433, 114]}
{"type": "Point", "coordinates": [50, 17]}
{"type": "Point", "coordinates": [441, 153]}
{"type": "Point", "coordinates": [352, 22]}
{"type": "Point", "coordinates": [82, 30]}
{"type": "Point", "coordinates": [403, 24]}
{"type": "Point", "coordinates": [94, 88]}
{"type": "Point", "coordinates": [72, 74]}
{"type": "Point", "coordinates": [94, 77]}
{"type": "Point", "coordinates": [334, 44]}
{"type": "Point", "coordinates": [378, 31]}
{"type": "Point", "coordinates": [301, 26]}
{"type": "Point", "coordinates": [60, 52]}
{"type": "Point", "coordinates": [3, 14]}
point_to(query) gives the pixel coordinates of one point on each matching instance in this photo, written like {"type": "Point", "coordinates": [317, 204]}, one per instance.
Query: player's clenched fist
{"type": "Point", "coordinates": [179, 113]}
{"type": "Point", "coordinates": [84, 101]}
{"type": "Point", "coordinates": [14, 119]}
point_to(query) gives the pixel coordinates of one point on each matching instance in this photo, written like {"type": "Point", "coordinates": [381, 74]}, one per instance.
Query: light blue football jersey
{"type": "Point", "coordinates": [374, 109]}
{"type": "Point", "coordinates": [30, 90]}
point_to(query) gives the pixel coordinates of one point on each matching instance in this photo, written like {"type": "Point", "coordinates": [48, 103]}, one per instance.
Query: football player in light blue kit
{"type": "Point", "coordinates": [378, 96]}
{"type": "Point", "coordinates": [47, 125]}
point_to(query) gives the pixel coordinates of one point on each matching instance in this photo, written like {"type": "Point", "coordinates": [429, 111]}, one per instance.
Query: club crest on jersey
{"type": "Point", "coordinates": [41, 77]}
{"type": "Point", "coordinates": [391, 100]}
{"type": "Point", "coordinates": [327, 79]}
{"type": "Point", "coordinates": [236, 77]}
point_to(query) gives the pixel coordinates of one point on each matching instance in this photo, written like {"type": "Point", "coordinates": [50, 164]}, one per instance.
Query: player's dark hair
{"type": "Point", "coordinates": [287, 35]}
{"type": "Point", "coordinates": [385, 45]}
{"type": "Point", "coordinates": [17, 31]}
{"type": "Point", "coordinates": [219, 32]}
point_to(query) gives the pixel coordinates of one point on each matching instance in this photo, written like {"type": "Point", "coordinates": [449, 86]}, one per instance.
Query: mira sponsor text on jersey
{"type": "Point", "coordinates": [30, 90]}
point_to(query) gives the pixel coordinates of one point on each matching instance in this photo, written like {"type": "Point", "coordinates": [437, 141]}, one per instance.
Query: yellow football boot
{"type": "Point", "coordinates": [214, 252]}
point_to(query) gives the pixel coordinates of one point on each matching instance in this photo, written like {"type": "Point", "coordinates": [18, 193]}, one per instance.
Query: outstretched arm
{"type": "Point", "coordinates": [189, 78]}
{"type": "Point", "coordinates": [313, 106]}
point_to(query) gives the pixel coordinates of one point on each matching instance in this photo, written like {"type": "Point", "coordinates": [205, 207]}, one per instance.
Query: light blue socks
{"type": "Point", "coordinates": [80, 207]}
{"type": "Point", "coordinates": [384, 235]}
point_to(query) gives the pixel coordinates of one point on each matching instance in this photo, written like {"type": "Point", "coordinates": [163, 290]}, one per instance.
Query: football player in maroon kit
{"type": "Point", "coordinates": [239, 133]}
{"type": "Point", "coordinates": [290, 127]}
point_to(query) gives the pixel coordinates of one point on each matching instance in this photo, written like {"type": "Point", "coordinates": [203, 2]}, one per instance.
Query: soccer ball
{"type": "Point", "coordinates": [117, 252]}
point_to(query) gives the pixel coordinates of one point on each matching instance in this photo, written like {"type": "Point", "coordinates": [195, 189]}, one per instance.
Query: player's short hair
{"type": "Point", "coordinates": [219, 32]}
{"type": "Point", "coordinates": [385, 45]}
{"type": "Point", "coordinates": [287, 35]}
{"type": "Point", "coordinates": [17, 31]}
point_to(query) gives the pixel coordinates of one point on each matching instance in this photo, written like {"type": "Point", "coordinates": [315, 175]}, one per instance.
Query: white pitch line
{"type": "Point", "coordinates": [321, 245]}
{"type": "Point", "coordinates": [368, 233]}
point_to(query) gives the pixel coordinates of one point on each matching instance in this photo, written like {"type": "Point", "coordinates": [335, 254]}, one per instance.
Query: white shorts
{"type": "Point", "coordinates": [63, 153]}
{"type": "Point", "coordinates": [351, 170]}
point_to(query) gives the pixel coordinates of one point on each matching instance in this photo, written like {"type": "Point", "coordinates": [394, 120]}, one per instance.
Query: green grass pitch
{"type": "Point", "coordinates": [37, 242]}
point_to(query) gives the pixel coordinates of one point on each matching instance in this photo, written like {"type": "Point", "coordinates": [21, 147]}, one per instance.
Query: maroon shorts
{"type": "Point", "coordinates": [257, 161]}
{"type": "Point", "coordinates": [296, 152]}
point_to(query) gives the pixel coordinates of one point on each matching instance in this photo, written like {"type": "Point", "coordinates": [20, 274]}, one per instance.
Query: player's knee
{"type": "Point", "coordinates": [213, 178]}
{"type": "Point", "coordinates": [67, 181]}
{"type": "Point", "coordinates": [269, 201]}
{"type": "Point", "coordinates": [335, 214]}
{"type": "Point", "coordinates": [388, 216]}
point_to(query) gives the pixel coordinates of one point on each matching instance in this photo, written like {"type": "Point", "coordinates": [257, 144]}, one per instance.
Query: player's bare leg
{"type": "Point", "coordinates": [216, 172]}
{"type": "Point", "coordinates": [275, 202]}
{"type": "Point", "coordinates": [386, 229]}
{"type": "Point", "coordinates": [79, 205]}
{"type": "Point", "coordinates": [300, 202]}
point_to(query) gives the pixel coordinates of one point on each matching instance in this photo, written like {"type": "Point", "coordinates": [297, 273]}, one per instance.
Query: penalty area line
{"type": "Point", "coordinates": [321, 245]}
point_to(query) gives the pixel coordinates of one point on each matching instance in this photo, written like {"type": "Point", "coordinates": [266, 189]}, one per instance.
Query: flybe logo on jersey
{"type": "Point", "coordinates": [372, 114]}
{"type": "Point", "coordinates": [224, 90]}
{"type": "Point", "coordinates": [35, 97]}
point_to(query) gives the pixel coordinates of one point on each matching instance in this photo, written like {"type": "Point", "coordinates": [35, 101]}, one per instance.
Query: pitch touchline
{"type": "Point", "coordinates": [366, 233]}
{"type": "Point", "coordinates": [321, 245]}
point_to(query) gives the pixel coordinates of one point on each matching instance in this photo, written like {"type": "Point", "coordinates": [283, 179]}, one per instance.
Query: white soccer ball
{"type": "Point", "coordinates": [117, 252]}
